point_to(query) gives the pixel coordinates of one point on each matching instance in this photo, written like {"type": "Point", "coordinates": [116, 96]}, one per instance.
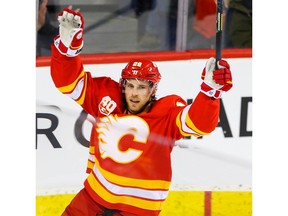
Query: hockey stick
{"type": "Point", "coordinates": [219, 28]}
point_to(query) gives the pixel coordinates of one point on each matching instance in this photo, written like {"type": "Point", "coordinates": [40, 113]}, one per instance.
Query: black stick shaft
{"type": "Point", "coordinates": [219, 28]}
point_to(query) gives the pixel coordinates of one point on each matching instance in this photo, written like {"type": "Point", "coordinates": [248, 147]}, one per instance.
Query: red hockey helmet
{"type": "Point", "coordinates": [141, 69]}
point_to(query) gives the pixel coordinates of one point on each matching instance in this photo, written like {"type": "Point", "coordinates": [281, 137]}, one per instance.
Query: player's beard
{"type": "Point", "coordinates": [134, 109]}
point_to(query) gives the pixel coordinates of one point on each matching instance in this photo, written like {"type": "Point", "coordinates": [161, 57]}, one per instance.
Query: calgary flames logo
{"type": "Point", "coordinates": [122, 138]}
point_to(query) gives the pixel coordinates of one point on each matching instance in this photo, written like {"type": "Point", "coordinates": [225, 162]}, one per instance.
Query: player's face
{"type": "Point", "coordinates": [137, 94]}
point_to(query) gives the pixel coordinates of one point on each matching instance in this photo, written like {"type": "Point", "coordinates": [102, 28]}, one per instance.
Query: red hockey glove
{"type": "Point", "coordinates": [215, 82]}
{"type": "Point", "coordinates": [69, 42]}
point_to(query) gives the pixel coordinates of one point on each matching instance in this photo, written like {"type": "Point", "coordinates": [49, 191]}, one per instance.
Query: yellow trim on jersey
{"type": "Point", "coordinates": [191, 125]}
{"type": "Point", "coordinates": [132, 182]}
{"type": "Point", "coordinates": [128, 200]}
{"type": "Point", "coordinates": [178, 123]}
{"type": "Point", "coordinates": [91, 159]}
{"type": "Point", "coordinates": [70, 87]}
{"type": "Point", "coordinates": [90, 164]}
{"type": "Point", "coordinates": [83, 93]}
{"type": "Point", "coordinates": [91, 149]}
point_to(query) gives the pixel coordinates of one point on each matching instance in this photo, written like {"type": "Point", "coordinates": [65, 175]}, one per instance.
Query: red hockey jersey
{"type": "Point", "coordinates": [129, 161]}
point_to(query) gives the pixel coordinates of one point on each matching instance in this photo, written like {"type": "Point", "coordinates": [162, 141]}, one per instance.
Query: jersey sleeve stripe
{"type": "Point", "coordinates": [83, 93]}
{"type": "Point", "coordinates": [91, 160]}
{"type": "Point", "coordinates": [69, 88]}
{"type": "Point", "coordinates": [77, 89]}
{"type": "Point", "coordinates": [191, 125]}
{"type": "Point", "coordinates": [186, 125]}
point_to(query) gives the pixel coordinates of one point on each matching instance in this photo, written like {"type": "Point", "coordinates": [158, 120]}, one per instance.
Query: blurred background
{"type": "Point", "coordinates": [113, 26]}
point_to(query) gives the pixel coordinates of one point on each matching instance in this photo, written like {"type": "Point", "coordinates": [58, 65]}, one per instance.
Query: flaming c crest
{"type": "Point", "coordinates": [112, 129]}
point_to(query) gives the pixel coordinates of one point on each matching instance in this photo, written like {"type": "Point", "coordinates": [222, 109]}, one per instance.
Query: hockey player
{"type": "Point", "coordinates": [129, 164]}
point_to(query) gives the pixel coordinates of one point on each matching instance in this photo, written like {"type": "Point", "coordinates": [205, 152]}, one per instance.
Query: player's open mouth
{"type": "Point", "coordinates": [134, 101]}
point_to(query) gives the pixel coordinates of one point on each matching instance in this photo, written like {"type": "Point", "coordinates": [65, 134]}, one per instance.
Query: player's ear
{"type": "Point", "coordinates": [153, 93]}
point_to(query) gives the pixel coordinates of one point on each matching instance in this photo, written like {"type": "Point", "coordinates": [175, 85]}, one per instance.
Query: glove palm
{"type": "Point", "coordinates": [70, 39]}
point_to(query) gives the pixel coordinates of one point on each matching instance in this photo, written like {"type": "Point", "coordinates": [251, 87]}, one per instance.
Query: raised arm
{"type": "Point", "coordinates": [201, 117]}
{"type": "Point", "coordinates": [67, 70]}
{"type": "Point", "coordinates": [66, 65]}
